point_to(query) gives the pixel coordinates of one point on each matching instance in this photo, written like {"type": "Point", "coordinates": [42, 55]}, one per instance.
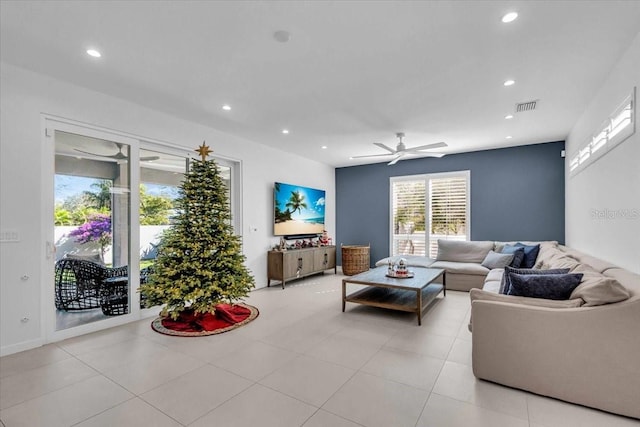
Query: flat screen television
{"type": "Point", "coordinates": [298, 210]}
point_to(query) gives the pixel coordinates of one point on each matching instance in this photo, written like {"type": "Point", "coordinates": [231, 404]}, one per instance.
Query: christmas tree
{"type": "Point", "coordinates": [199, 263]}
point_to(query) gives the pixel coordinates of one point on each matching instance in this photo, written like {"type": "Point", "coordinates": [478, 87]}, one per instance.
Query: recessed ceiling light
{"type": "Point", "coordinates": [285, 131]}
{"type": "Point", "coordinates": [94, 53]}
{"type": "Point", "coordinates": [509, 82]}
{"type": "Point", "coordinates": [350, 158]}
{"type": "Point", "coordinates": [324, 147]}
{"type": "Point", "coordinates": [509, 17]}
{"type": "Point", "coordinates": [282, 36]}
{"type": "Point", "coordinates": [226, 107]}
{"type": "Point", "coordinates": [508, 137]}
{"type": "Point", "coordinates": [509, 116]}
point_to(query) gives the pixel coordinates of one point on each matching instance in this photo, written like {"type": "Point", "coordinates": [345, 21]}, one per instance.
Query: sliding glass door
{"type": "Point", "coordinates": [161, 175]}
{"type": "Point", "coordinates": [91, 229]}
{"type": "Point", "coordinates": [108, 198]}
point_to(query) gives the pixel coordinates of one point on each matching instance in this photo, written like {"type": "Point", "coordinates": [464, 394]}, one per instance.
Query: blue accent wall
{"type": "Point", "coordinates": [517, 193]}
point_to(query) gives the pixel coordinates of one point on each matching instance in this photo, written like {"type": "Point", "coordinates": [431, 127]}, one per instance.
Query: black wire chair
{"type": "Point", "coordinates": [145, 273]}
{"type": "Point", "coordinates": [79, 284]}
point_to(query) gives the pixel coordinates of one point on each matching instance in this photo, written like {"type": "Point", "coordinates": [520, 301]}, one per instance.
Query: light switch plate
{"type": "Point", "coordinates": [9, 236]}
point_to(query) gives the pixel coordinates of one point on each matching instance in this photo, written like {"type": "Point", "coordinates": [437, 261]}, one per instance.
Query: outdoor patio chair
{"type": "Point", "coordinates": [78, 283]}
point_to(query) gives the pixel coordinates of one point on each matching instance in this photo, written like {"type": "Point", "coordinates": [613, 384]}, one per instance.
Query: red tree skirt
{"type": "Point", "coordinates": [226, 318]}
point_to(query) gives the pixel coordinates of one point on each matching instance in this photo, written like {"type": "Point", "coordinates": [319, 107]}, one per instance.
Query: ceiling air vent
{"type": "Point", "coordinates": [526, 106]}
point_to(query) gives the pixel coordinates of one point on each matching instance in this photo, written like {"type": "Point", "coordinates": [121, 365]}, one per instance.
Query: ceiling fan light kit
{"type": "Point", "coordinates": [401, 150]}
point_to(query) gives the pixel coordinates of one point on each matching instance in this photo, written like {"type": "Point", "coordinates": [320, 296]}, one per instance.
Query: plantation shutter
{"type": "Point", "coordinates": [448, 210]}
{"type": "Point", "coordinates": [425, 208]}
{"type": "Point", "coordinates": [408, 217]}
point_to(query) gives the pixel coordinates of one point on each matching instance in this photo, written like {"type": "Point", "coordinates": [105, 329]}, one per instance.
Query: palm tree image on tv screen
{"type": "Point", "coordinates": [298, 210]}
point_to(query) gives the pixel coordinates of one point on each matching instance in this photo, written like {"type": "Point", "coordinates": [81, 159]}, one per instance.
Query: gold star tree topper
{"type": "Point", "coordinates": [204, 151]}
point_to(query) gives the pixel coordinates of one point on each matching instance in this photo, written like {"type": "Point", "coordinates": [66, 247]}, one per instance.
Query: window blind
{"type": "Point", "coordinates": [448, 210]}
{"type": "Point", "coordinates": [426, 208]}
{"type": "Point", "coordinates": [408, 209]}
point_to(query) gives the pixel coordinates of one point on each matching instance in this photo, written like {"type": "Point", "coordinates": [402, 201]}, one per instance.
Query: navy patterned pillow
{"type": "Point", "coordinates": [530, 255]}
{"type": "Point", "coordinates": [518, 254]}
{"type": "Point", "coordinates": [506, 282]}
{"type": "Point", "coordinates": [548, 286]}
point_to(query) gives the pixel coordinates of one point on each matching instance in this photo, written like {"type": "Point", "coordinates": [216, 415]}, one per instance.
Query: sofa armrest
{"type": "Point", "coordinates": [583, 355]}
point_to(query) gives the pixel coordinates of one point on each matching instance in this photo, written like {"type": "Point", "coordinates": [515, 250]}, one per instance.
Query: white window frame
{"type": "Point", "coordinates": [607, 136]}
{"type": "Point", "coordinates": [466, 174]}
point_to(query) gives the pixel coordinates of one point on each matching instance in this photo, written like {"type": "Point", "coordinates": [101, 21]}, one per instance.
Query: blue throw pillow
{"type": "Point", "coordinates": [530, 255]}
{"type": "Point", "coordinates": [508, 271]}
{"type": "Point", "coordinates": [548, 286]}
{"type": "Point", "coordinates": [518, 254]}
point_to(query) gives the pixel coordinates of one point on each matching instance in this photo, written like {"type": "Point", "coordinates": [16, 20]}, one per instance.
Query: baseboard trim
{"type": "Point", "coordinates": [22, 346]}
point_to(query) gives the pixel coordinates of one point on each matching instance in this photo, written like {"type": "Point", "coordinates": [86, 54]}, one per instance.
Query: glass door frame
{"type": "Point", "coordinates": [161, 148]}
{"type": "Point", "coordinates": [51, 124]}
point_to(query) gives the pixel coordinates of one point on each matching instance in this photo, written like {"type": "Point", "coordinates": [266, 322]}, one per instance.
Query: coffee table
{"type": "Point", "coordinates": [405, 294]}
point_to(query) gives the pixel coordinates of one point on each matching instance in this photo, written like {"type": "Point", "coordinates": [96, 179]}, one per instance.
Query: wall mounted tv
{"type": "Point", "coordinates": [298, 210]}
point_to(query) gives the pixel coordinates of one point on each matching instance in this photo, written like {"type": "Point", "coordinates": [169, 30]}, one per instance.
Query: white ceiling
{"type": "Point", "coordinates": [353, 73]}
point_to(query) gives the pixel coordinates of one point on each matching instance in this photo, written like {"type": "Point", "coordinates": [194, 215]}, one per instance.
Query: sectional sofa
{"type": "Point", "coordinates": [583, 349]}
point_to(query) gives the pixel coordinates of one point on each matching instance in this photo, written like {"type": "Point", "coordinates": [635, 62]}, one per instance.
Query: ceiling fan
{"type": "Point", "coordinates": [401, 150]}
{"type": "Point", "coordinates": [119, 156]}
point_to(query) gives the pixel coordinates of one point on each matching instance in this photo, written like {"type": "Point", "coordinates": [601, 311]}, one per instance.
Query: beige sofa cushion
{"type": "Point", "coordinates": [597, 289]}
{"type": "Point", "coordinates": [481, 294]}
{"type": "Point", "coordinates": [467, 251]}
{"type": "Point", "coordinates": [548, 250]}
{"type": "Point", "coordinates": [486, 294]}
{"type": "Point", "coordinates": [492, 286]}
{"type": "Point", "coordinates": [461, 268]}
{"type": "Point", "coordinates": [630, 281]}
{"type": "Point", "coordinates": [551, 257]}
{"type": "Point", "coordinates": [597, 264]}
{"type": "Point", "coordinates": [561, 261]}
{"type": "Point", "coordinates": [495, 275]}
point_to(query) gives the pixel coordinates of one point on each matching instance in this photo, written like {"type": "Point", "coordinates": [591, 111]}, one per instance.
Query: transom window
{"type": "Point", "coordinates": [618, 127]}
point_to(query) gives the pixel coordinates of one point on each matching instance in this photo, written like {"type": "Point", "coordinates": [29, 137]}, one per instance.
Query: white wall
{"type": "Point", "coordinates": [612, 183]}
{"type": "Point", "coordinates": [149, 236]}
{"type": "Point", "coordinates": [24, 96]}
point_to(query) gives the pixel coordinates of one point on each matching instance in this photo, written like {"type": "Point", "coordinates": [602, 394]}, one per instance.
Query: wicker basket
{"type": "Point", "coordinates": [355, 259]}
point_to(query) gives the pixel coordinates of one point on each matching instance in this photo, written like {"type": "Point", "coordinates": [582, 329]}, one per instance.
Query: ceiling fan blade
{"type": "Point", "coordinates": [118, 156]}
{"type": "Point", "coordinates": [431, 154]}
{"type": "Point", "coordinates": [142, 159]}
{"type": "Point", "coordinates": [91, 154]}
{"type": "Point", "coordinates": [429, 146]}
{"type": "Point", "coordinates": [396, 160]}
{"type": "Point", "coordinates": [372, 155]}
{"type": "Point", "coordinates": [381, 145]}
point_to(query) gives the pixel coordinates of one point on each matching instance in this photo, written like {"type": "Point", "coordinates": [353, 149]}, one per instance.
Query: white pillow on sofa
{"type": "Point", "coordinates": [497, 260]}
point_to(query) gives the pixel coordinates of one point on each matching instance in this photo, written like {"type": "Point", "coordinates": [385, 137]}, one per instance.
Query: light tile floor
{"type": "Point", "coordinates": [302, 362]}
